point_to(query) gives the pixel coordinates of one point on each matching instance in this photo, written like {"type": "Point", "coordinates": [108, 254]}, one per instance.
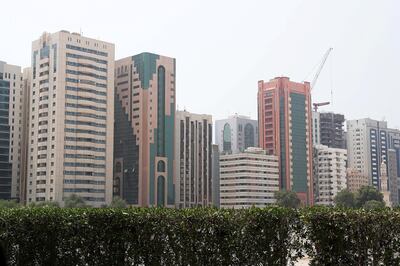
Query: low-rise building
{"type": "Point", "coordinates": [248, 179]}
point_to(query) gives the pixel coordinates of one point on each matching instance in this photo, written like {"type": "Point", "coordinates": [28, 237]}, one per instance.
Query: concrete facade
{"type": "Point", "coordinates": [285, 130]}
{"type": "Point", "coordinates": [355, 180]}
{"type": "Point", "coordinates": [145, 103]}
{"type": "Point", "coordinates": [236, 133]}
{"type": "Point", "coordinates": [248, 179]}
{"type": "Point", "coordinates": [193, 160]}
{"type": "Point", "coordinates": [26, 103]}
{"type": "Point", "coordinates": [328, 129]}
{"type": "Point", "coordinates": [329, 173]}
{"type": "Point", "coordinates": [393, 176]}
{"type": "Point", "coordinates": [71, 119]}
{"type": "Point", "coordinates": [215, 176]}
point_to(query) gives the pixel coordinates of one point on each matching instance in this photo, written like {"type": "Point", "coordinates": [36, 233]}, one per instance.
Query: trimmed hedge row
{"type": "Point", "coordinates": [352, 237]}
{"type": "Point", "coordinates": [150, 236]}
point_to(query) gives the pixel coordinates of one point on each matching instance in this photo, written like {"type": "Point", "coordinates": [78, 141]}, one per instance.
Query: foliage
{"type": "Point", "coordinates": [52, 204]}
{"type": "Point", "coordinates": [74, 201]}
{"type": "Point", "coordinates": [373, 204]}
{"type": "Point", "coordinates": [352, 236]}
{"type": "Point", "coordinates": [9, 204]}
{"type": "Point", "coordinates": [288, 199]}
{"type": "Point", "coordinates": [118, 202]}
{"type": "Point", "coordinates": [345, 198]}
{"type": "Point", "coordinates": [367, 193]}
{"type": "Point", "coordinates": [152, 236]}
{"type": "Point", "coordinates": [203, 236]}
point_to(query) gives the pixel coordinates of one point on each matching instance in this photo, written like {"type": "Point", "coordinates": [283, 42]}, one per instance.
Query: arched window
{"type": "Point", "coordinates": [227, 138]}
{"type": "Point", "coordinates": [161, 111]}
{"type": "Point", "coordinates": [248, 136]}
{"type": "Point", "coordinates": [161, 166]}
{"type": "Point", "coordinates": [160, 191]}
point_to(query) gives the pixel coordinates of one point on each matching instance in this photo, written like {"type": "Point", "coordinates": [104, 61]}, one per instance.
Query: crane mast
{"type": "Point", "coordinates": [314, 81]}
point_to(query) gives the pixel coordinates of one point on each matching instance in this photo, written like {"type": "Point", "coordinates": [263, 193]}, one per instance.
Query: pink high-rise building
{"type": "Point", "coordinates": [284, 118]}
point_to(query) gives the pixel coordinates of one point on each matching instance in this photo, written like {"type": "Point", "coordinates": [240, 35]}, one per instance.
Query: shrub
{"type": "Point", "coordinates": [352, 236]}
{"type": "Point", "coordinates": [203, 236]}
{"type": "Point", "coordinates": [152, 236]}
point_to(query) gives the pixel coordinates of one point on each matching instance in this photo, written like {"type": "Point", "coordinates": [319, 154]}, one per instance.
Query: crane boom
{"type": "Point", "coordinates": [320, 67]}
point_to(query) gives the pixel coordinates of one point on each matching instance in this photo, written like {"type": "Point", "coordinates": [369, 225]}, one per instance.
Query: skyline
{"type": "Point", "coordinates": [246, 46]}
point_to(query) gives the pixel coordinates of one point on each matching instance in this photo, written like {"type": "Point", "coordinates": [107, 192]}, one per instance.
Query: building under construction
{"type": "Point", "coordinates": [328, 130]}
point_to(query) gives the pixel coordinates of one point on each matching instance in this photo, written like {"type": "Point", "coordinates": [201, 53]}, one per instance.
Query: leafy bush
{"type": "Point", "coordinates": [204, 236]}
{"type": "Point", "coordinates": [352, 236]}
{"type": "Point", "coordinates": [139, 236]}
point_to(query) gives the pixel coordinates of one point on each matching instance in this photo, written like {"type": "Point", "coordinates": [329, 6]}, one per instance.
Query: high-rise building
{"type": "Point", "coordinates": [215, 175]}
{"type": "Point", "coordinates": [144, 130]}
{"type": "Point", "coordinates": [284, 117]}
{"type": "Point", "coordinates": [355, 180]}
{"type": "Point", "coordinates": [367, 143]}
{"type": "Point", "coordinates": [193, 159]}
{"type": "Point", "coordinates": [71, 119]}
{"type": "Point", "coordinates": [236, 133]}
{"type": "Point", "coordinates": [248, 179]}
{"type": "Point", "coordinates": [329, 173]}
{"type": "Point", "coordinates": [328, 130]}
{"type": "Point", "coordinates": [5, 165]}
{"type": "Point", "coordinates": [17, 96]}
{"type": "Point", "coordinates": [26, 103]}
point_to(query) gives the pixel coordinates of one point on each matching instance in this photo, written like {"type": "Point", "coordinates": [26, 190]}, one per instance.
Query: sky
{"type": "Point", "coordinates": [223, 48]}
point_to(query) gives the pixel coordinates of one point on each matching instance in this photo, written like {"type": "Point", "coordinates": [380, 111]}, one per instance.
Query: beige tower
{"type": "Point", "coordinates": [71, 119]}
{"type": "Point", "coordinates": [193, 150]}
{"type": "Point", "coordinates": [384, 184]}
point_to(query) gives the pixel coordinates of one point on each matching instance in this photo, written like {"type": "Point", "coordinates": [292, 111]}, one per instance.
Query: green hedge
{"type": "Point", "coordinates": [139, 236]}
{"type": "Point", "coordinates": [353, 236]}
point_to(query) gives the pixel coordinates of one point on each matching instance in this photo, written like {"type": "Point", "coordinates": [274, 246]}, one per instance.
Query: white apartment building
{"type": "Point", "coordinates": [248, 179]}
{"type": "Point", "coordinates": [329, 173]}
{"type": "Point", "coordinates": [193, 159]}
{"type": "Point", "coordinates": [71, 119]}
{"type": "Point", "coordinates": [13, 75]}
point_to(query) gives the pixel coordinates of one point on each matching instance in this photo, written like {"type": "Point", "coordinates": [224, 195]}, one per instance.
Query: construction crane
{"type": "Point", "coordinates": [316, 105]}
{"type": "Point", "coordinates": [314, 81]}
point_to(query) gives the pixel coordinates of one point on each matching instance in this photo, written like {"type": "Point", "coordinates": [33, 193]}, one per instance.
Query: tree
{"type": "Point", "coordinates": [288, 199]}
{"type": "Point", "coordinates": [373, 204]}
{"type": "Point", "coordinates": [345, 198]}
{"type": "Point", "coordinates": [367, 193]}
{"type": "Point", "coordinates": [74, 201]}
{"type": "Point", "coordinates": [118, 202]}
{"type": "Point", "coordinates": [9, 204]}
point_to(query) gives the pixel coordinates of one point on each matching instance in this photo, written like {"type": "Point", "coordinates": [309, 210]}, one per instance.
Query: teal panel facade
{"type": "Point", "coordinates": [282, 142]}
{"type": "Point", "coordinates": [160, 191]}
{"type": "Point", "coordinates": [163, 135]}
{"type": "Point", "coordinates": [299, 142]}
{"type": "Point", "coordinates": [146, 66]}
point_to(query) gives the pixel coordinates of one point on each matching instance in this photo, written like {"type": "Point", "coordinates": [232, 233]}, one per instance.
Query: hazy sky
{"type": "Point", "coordinates": [224, 47]}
